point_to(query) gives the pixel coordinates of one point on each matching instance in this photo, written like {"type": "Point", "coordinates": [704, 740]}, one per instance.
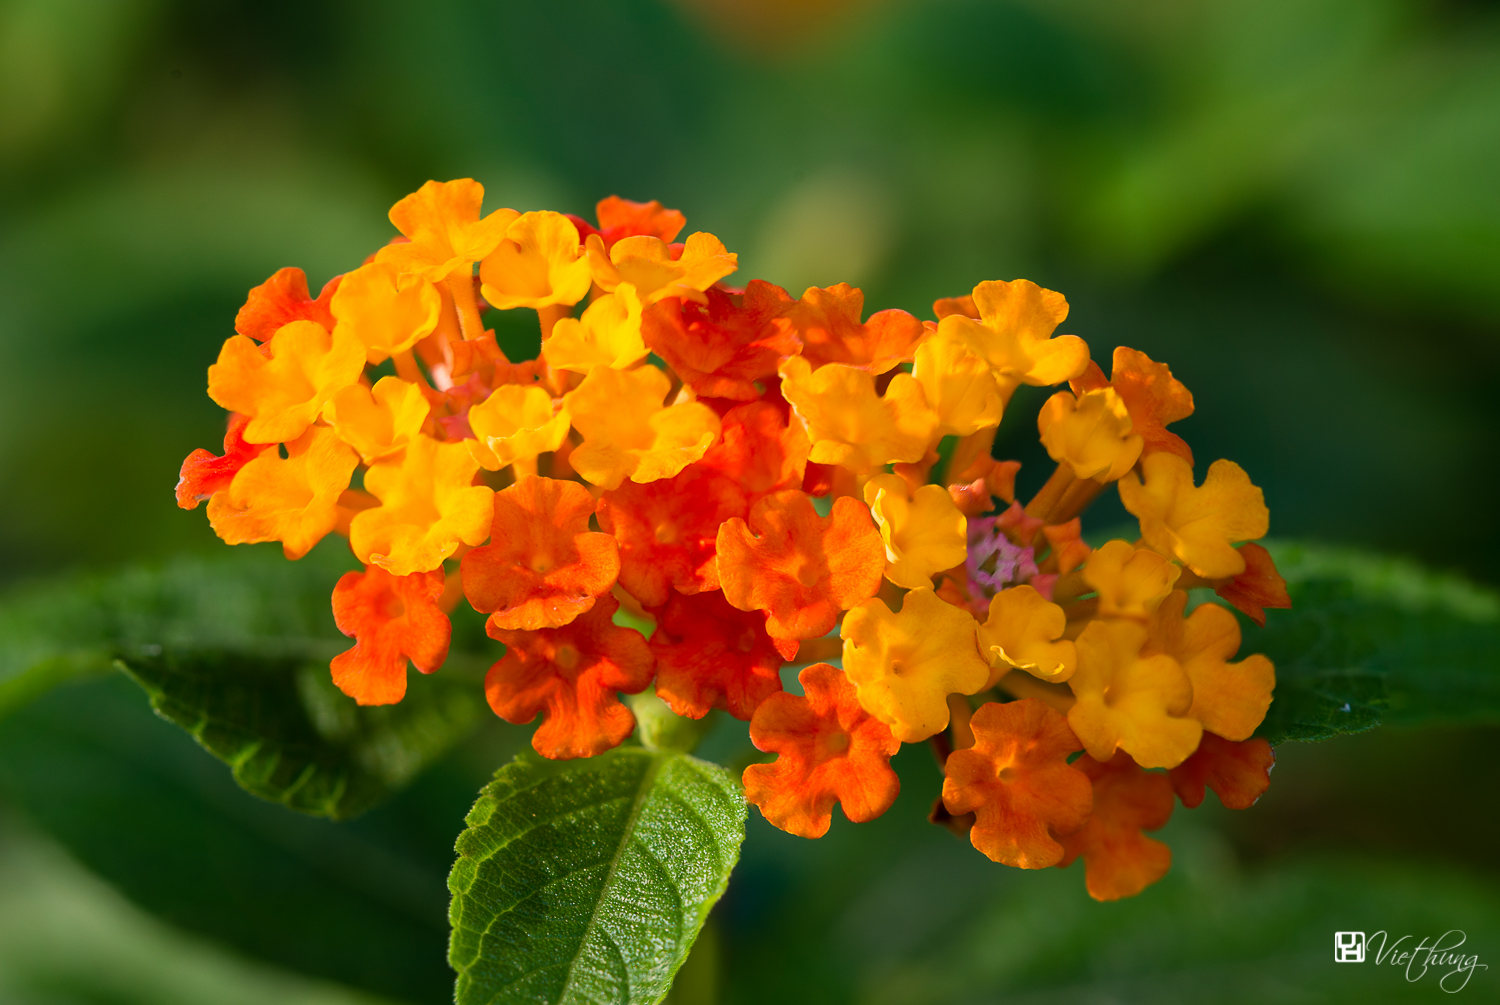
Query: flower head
{"type": "Point", "coordinates": [1017, 782]}
{"type": "Point", "coordinates": [1013, 334]}
{"type": "Point", "coordinates": [830, 751]}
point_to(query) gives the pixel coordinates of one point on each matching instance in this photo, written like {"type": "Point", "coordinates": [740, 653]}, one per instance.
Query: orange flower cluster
{"type": "Point", "coordinates": [754, 472]}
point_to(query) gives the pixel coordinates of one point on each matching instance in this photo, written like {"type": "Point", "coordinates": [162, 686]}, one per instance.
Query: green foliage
{"type": "Point", "coordinates": [587, 881]}
{"type": "Point", "coordinates": [236, 652]}
{"type": "Point", "coordinates": [1373, 639]}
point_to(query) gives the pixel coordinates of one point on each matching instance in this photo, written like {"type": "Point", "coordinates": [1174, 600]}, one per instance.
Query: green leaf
{"type": "Point", "coordinates": [291, 737]}
{"type": "Point", "coordinates": [1372, 639]}
{"type": "Point", "coordinates": [235, 650]}
{"type": "Point", "coordinates": [588, 880]}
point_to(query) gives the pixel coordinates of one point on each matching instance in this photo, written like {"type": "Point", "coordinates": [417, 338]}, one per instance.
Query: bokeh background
{"type": "Point", "coordinates": [1294, 202]}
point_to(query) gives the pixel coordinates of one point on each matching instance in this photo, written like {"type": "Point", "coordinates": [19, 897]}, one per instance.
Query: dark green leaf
{"type": "Point", "coordinates": [588, 880]}
{"type": "Point", "coordinates": [1373, 639]}
{"type": "Point", "coordinates": [292, 737]}
{"type": "Point", "coordinates": [235, 650]}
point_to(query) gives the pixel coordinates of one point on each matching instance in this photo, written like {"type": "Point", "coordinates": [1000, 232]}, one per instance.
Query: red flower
{"type": "Point", "coordinates": [1258, 587]}
{"type": "Point", "coordinates": [545, 567]}
{"type": "Point", "coordinates": [573, 673]}
{"type": "Point", "coordinates": [827, 323]}
{"type": "Point", "coordinates": [1119, 860]}
{"type": "Point", "coordinates": [1151, 394]}
{"type": "Point", "coordinates": [832, 751]}
{"type": "Point", "coordinates": [281, 300]}
{"type": "Point", "coordinates": [1239, 772]}
{"type": "Point", "coordinates": [761, 447]}
{"type": "Point", "coordinates": [711, 655]}
{"type": "Point", "coordinates": [722, 347]}
{"type": "Point", "coordinates": [395, 618]}
{"type": "Point", "coordinates": [203, 474]}
{"type": "Point", "coordinates": [667, 530]}
{"type": "Point", "coordinates": [798, 567]}
{"type": "Point", "coordinates": [620, 218]}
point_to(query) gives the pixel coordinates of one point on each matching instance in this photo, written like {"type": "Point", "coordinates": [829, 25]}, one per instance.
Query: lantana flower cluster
{"type": "Point", "coordinates": [750, 473]}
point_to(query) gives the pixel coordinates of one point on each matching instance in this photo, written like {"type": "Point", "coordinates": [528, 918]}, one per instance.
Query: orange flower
{"type": "Point", "coordinates": [608, 334]}
{"type": "Point", "coordinates": [378, 421]}
{"type": "Point", "coordinates": [648, 264]}
{"type": "Point", "coordinates": [1017, 782]}
{"type": "Point", "coordinates": [544, 567]}
{"type": "Point", "coordinates": [1152, 395]}
{"type": "Point", "coordinates": [429, 505]}
{"type": "Point", "coordinates": [849, 424]}
{"type": "Point", "coordinates": [446, 231]}
{"type": "Point", "coordinates": [293, 499]}
{"type": "Point", "coordinates": [628, 432]}
{"type": "Point", "coordinates": [203, 474]}
{"type": "Point", "coordinates": [958, 385]}
{"type": "Point", "coordinates": [620, 218]}
{"type": "Point", "coordinates": [1131, 699]}
{"type": "Point", "coordinates": [1067, 544]}
{"type": "Point", "coordinates": [573, 673]}
{"type": "Point", "coordinates": [1197, 525]}
{"type": "Point", "coordinates": [761, 448]}
{"type": "Point", "coordinates": [1014, 334]}
{"type": "Point", "coordinates": [537, 265]}
{"type": "Point", "coordinates": [827, 324]}
{"type": "Point", "coordinates": [831, 751]}
{"type": "Point", "coordinates": [1230, 699]}
{"type": "Point", "coordinates": [1024, 632]}
{"type": "Point", "coordinates": [394, 618]}
{"type": "Point", "coordinates": [1252, 591]}
{"type": "Point", "coordinates": [1240, 772]}
{"type": "Point", "coordinates": [667, 531]}
{"type": "Point", "coordinates": [1091, 434]}
{"type": "Point", "coordinates": [1119, 860]}
{"type": "Point", "coordinates": [963, 306]}
{"type": "Point", "coordinates": [1131, 582]}
{"type": "Point", "coordinates": [798, 567]}
{"type": "Point", "coordinates": [281, 300]}
{"type": "Point", "coordinates": [722, 347]}
{"type": "Point", "coordinates": [710, 655]}
{"type": "Point", "coordinates": [385, 310]}
{"type": "Point", "coordinates": [283, 385]}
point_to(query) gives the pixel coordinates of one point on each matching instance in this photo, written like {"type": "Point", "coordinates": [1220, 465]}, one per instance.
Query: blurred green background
{"type": "Point", "coordinates": [1294, 202]}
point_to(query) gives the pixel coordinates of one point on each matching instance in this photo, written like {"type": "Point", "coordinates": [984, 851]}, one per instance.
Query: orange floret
{"type": "Point", "coordinates": [1119, 860]}
{"type": "Point", "coordinates": [1131, 697]}
{"type": "Point", "coordinates": [722, 347]}
{"type": "Point", "coordinates": [573, 673]}
{"type": "Point", "coordinates": [1068, 546]}
{"type": "Point", "coordinates": [1230, 699]}
{"type": "Point", "coordinates": [1017, 782]}
{"type": "Point", "coordinates": [1197, 525]}
{"type": "Point", "coordinates": [711, 655]}
{"type": "Point", "coordinates": [827, 324]}
{"type": "Point", "coordinates": [1239, 772]}
{"type": "Point", "coordinates": [798, 567]}
{"type": "Point", "coordinates": [429, 505]}
{"type": "Point", "coordinates": [283, 385]}
{"type": "Point", "coordinates": [446, 231]}
{"type": "Point", "coordinates": [281, 300]}
{"type": "Point", "coordinates": [544, 566]}
{"type": "Point", "coordinates": [761, 447]}
{"type": "Point", "coordinates": [621, 218]}
{"type": "Point", "coordinates": [539, 264]}
{"type": "Point", "coordinates": [667, 530]}
{"type": "Point", "coordinates": [1014, 334]}
{"type": "Point", "coordinates": [203, 473]}
{"type": "Point", "coordinates": [831, 751]}
{"type": "Point", "coordinates": [292, 499]}
{"type": "Point", "coordinates": [1153, 396]}
{"type": "Point", "coordinates": [1252, 591]}
{"type": "Point", "coordinates": [395, 618]}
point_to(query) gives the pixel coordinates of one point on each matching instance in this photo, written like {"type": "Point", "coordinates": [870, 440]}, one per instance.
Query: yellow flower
{"type": "Point", "coordinates": [442, 219]}
{"type": "Point", "coordinates": [380, 421]}
{"type": "Point", "coordinates": [1130, 701]}
{"type": "Point", "coordinates": [958, 385]}
{"type": "Point", "coordinates": [515, 424]}
{"type": "Point", "coordinates": [540, 263]}
{"type": "Point", "coordinates": [1131, 582]}
{"type": "Point", "coordinates": [284, 391]}
{"type": "Point", "coordinates": [1198, 525]}
{"type": "Point", "coordinates": [608, 334]}
{"type": "Point", "coordinates": [1024, 632]}
{"type": "Point", "coordinates": [1014, 334]}
{"type": "Point", "coordinates": [428, 506]}
{"type": "Point", "coordinates": [293, 499]}
{"type": "Point", "coordinates": [849, 424]}
{"type": "Point", "coordinates": [924, 532]}
{"type": "Point", "coordinates": [647, 264]}
{"type": "Point", "coordinates": [387, 311]}
{"type": "Point", "coordinates": [1230, 699]}
{"type": "Point", "coordinates": [627, 433]}
{"type": "Point", "coordinates": [1093, 434]}
{"type": "Point", "coordinates": [906, 665]}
